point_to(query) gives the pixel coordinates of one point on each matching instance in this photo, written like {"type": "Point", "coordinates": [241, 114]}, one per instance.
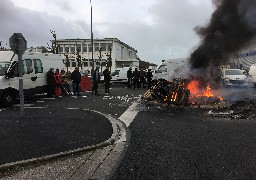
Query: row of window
{"type": "Point", "coordinates": [71, 48]}
{"type": "Point", "coordinates": [85, 64]}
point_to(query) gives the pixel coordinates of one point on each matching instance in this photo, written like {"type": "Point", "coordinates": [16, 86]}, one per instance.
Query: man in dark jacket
{"type": "Point", "coordinates": [129, 76]}
{"type": "Point", "coordinates": [50, 83]}
{"type": "Point", "coordinates": [107, 79]}
{"type": "Point", "coordinates": [136, 78]}
{"type": "Point", "coordinates": [76, 79]}
{"type": "Point", "coordinates": [95, 80]}
{"type": "Point", "coordinates": [149, 78]}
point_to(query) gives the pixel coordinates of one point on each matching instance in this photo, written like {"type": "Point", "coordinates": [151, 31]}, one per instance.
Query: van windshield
{"type": "Point", "coordinates": [234, 72]}
{"type": "Point", "coordinates": [3, 67]}
{"type": "Point", "coordinates": [116, 72]}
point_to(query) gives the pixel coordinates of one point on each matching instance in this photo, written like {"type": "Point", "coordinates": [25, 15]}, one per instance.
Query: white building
{"type": "Point", "coordinates": [122, 55]}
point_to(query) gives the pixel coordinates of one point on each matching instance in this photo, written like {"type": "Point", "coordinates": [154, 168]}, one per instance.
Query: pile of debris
{"type": "Point", "coordinates": [174, 92]}
{"type": "Point", "coordinates": [181, 92]}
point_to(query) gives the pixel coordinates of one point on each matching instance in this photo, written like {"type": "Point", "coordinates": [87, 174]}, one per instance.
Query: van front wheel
{"type": "Point", "coordinates": [8, 99]}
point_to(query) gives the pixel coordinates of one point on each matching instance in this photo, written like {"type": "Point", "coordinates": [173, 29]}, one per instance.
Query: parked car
{"type": "Point", "coordinates": [233, 77]}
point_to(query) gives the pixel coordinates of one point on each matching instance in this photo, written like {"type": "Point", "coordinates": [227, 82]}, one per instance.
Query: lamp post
{"type": "Point", "coordinates": [92, 37]}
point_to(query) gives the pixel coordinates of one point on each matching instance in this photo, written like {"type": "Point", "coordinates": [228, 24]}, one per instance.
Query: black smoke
{"type": "Point", "coordinates": [232, 26]}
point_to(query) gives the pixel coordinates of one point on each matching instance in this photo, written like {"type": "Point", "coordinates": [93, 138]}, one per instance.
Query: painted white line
{"type": "Point", "coordinates": [47, 98]}
{"type": "Point", "coordinates": [72, 108]}
{"type": "Point", "coordinates": [128, 116]}
{"type": "Point", "coordinates": [40, 101]}
{"type": "Point", "coordinates": [25, 105]}
{"type": "Point", "coordinates": [34, 107]}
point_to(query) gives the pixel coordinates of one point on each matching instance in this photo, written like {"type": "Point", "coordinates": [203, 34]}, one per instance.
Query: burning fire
{"type": "Point", "coordinates": [198, 93]}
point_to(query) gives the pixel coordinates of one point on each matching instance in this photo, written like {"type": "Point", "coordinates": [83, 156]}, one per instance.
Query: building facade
{"type": "Point", "coordinates": [109, 52]}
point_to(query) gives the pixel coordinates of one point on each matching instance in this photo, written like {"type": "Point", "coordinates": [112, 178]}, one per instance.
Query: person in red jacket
{"type": "Point", "coordinates": [58, 81]}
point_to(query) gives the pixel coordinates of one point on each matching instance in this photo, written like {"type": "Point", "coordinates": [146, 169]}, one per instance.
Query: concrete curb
{"type": "Point", "coordinates": [108, 142]}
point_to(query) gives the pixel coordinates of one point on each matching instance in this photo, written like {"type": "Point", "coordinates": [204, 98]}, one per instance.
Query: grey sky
{"type": "Point", "coordinates": [157, 29]}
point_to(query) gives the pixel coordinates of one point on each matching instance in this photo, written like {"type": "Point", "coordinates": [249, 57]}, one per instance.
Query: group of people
{"type": "Point", "coordinates": [138, 79]}
{"type": "Point", "coordinates": [56, 85]}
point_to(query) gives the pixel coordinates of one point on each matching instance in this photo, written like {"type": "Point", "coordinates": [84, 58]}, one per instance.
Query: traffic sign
{"type": "Point", "coordinates": [18, 43]}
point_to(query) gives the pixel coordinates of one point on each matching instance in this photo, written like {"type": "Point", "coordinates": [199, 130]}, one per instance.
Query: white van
{"type": "Point", "coordinates": [233, 77]}
{"type": "Point", "coordinates": [35, 67]}
{"type": "Point", "coordinates": [119, 75]}
{"type": "Point", "coordinates": [172, 68]}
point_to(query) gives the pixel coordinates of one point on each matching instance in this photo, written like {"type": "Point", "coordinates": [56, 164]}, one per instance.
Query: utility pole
{"type": "Point", "coordinates": [92, 37]}
{"type": "Point", "coordinates": [18, 44]}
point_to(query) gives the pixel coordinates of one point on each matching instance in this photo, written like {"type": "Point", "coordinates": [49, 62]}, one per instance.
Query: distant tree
{"type": "Point", "coordinates": [53, 47]}
{"type": "Point", "coordinates": [44, 49]}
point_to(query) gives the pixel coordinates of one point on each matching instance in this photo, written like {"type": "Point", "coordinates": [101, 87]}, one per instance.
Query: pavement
{"type": "Point", "coordinates": [65, 138]}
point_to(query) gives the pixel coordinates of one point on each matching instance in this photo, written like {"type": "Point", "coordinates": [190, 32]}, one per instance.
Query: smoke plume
{"type": "Point", "coordinates": [232, 26]}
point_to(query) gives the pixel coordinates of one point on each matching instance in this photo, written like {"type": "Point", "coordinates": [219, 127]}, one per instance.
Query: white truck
{"type": "Point", "coordinates": [119, 75]}
{"type": "Point", "coordinates": [233, 77]}
{"type": "Point", "coordinates": [35, 67]}
{"type": "Point", "coordinates": [172, 68]}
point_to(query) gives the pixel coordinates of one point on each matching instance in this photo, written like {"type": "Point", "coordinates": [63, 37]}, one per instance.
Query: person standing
{"type": "Point", "coordinates": [76, 79]}
{"type": "Point", "coordinates": [149, 78]}
{"type": "Point", "coordinates": [107, 78]}
{"type": "Point", "coordinates": [136, 78]}
{"type": "Point", "coordinates": [50, 83]}
{"type": "Point", "coordinates": [129, 76]}
{"type": "Point", "coordinates": [58, 83]}
{"type": "Point", "coordinates": [142, 78]}
{"type": "Point", "coordinates": [95, 80]}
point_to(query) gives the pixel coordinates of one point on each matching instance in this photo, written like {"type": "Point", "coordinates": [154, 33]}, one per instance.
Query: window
{"type": "Point", "coordinates": [130, 54]}
{"type": "Point", "coordinates": [122, 52]}
{"type": "Point", "coordinates": [78, 48]}
{"type": "Point", "coordinates": [3, 67]}
{"type": "Point", "coordinates": [96, 46]}
{"type": "Point", "coordinates": [68, 64]}
{"type": "Point", "coordinates": [61, 48]}
{"type": "Point", "coordinates": [116, 72]}
{"type": "Point", "coordinates": [234, 72]}
{"type": "Point", "coordinates": [38, 66]}
{"type": "Point", "coordinates": [109, 46]}
{"type": "Point", "coordinates": [28, 66]}
{"type": "Point", "coordinates": [73, 63]}
{"type": "Point", "coordinates": [85, 64]}
{"type": "Point", "coordinates": [103, 46]}
{"type": "Point", "coordinates": [14, 72]}
{"type": "Point", "coordinates": [103, 63]}
{"type": "Point", "coordinates": [90, 48]}
{"type": "Point", "coordinates": [84, 47]}
{"type": "Point", "coordinates": [66, 48]}
{"type": "Point", "coordinates": [72, 49]}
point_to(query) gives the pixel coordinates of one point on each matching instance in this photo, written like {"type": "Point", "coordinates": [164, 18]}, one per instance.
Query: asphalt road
{"type": "Point", "coordinates": [54, 125]}
{"type": "Point", "coordinates": [175, 142]}
{"type": "Point", "coordinates": [191, 143]}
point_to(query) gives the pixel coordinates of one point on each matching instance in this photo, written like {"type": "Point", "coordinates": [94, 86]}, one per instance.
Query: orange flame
{"type": "Point", "coordinates": [196, 91]}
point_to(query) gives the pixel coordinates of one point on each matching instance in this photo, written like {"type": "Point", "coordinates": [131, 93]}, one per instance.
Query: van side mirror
{"type": "Point", "coordinates": [8, 75]}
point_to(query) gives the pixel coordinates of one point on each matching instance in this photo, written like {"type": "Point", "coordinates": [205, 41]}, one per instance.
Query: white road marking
{"type": "Point", "coordinates": [128, 116]}
{"type": "Point", "coordinates": [35, 107]}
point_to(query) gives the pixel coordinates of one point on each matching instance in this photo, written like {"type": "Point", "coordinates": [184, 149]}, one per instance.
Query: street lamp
{"type": "Point", "coordinates": [92, 37]}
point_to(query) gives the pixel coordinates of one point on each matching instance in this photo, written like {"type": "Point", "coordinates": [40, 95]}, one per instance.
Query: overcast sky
{"type": "Point", "coordinates": [157, 29]}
